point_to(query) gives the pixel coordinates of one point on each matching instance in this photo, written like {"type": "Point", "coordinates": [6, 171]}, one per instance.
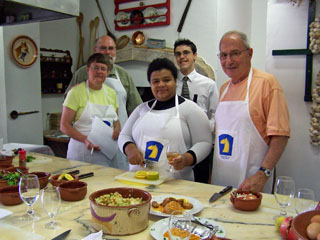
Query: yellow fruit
{"type": "Point", "coordinates": [68, 177]}
{"type": "Point", "coordinates": [278, 223]}
{"type": "Point", "coordinates": [141, 174]}
{"type": "Point", "coordinates": [151, 175]}
{"type": "Point", "coordinates": [61, 176]}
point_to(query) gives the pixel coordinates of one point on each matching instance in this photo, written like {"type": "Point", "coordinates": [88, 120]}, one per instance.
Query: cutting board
{"type": "Point", "coordinates": [129, 177]}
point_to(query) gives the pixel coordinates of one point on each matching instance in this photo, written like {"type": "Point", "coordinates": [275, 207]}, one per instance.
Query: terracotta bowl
{"type": "Point", "coordinates": [10, 195]}
{"type": "Point", "coordinates": [73, 191]}
{"type": "Point", "coordinates": [54, 180]}
{"type": "Point", "coordinates": [5, 166]}
{"type": "Point", "coordinates": [43, 178]}
{"type": "Point", "coordinates": [25, 170]}
{"type": "Point", "coordinates": [245, 204]}
{"type": "Point", "coordinates": [120, 220]}
{"type": "Point", "coordinates": [300, 223]}
{"type": "Point", "coordinates": [6, 160]}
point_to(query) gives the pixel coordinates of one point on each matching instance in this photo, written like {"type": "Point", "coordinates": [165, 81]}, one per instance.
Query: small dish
{"type": "Point", "coordinates": [151, 15]}
{"type": "Point", "coordinates": [5, 166]}
{"type": "Point", "coordinates": [73, 190]}
{"type": "Point", "coordinates": [122, 19]}
{"type": "Point", "coordinates": [9, 196]}
{"type": "Point", "coordinates": [6, 160]}
{"type": "Point", "coordinates": [55, 182]}
{"type": "Point", "coordinates": [300, 223]}
{"type": "Point", "coordinates": [138, 38]}
{"type": "Point", "coordinates": [25, 170]}
{"type": "Point", "coordinates": [245, 204]}
{"type": "Point", "coordinates": [43, 178]}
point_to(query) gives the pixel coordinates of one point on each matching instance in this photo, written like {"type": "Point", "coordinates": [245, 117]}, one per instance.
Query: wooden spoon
{"type": "Point", "coordinates": [91, 27]}
{"type": "Point", "coordinates": [96, 23]}
{"type": "Point", "coordinates": [81, 50]}
{"type": "Point", "coordinates": [79, 21]}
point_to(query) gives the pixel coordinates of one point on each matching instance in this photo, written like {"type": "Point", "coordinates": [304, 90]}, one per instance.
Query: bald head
{"type": "Point", "coordinates": [237, 34]}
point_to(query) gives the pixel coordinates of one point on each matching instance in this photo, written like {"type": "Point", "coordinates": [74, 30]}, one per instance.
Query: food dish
{"type": "Point", "coordinates": [152, 13]}
{"type": "Point", "coordinates": [122, 19]}
{"type": "Point", "coordinates": [197, 205]}
{"type": "Point", "coordinates": [160, 227]}
{"type": "Point", "coordinates": [129, 177]}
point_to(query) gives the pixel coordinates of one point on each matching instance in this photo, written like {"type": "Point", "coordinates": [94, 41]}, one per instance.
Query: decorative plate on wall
{"type": "Point", "coordinates": [24, 51]}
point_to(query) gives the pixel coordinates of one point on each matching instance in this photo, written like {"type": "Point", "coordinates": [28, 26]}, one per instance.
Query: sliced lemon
{"type": "Point", "coordinates": [141, 174]}
{"type": "Point", "coordinates": [152, 175]}
{"type": "Point", "coordinates": [68, 177]}
{"type": "Point", "coordinates": [61, 176]}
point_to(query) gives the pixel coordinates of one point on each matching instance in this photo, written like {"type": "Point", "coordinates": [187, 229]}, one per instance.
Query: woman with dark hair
{"type": "Point", "coordinates": [166, 121]}
{"type": "Point", "coordinates": [91, 108]}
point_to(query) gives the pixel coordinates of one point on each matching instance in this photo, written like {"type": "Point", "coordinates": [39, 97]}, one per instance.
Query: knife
{"type": "Point", "coordinates": [216, 196]}
{"type": "Point", "coordinates": [62, 235]}
{"type": "Point", "coordinates": [85, 175]}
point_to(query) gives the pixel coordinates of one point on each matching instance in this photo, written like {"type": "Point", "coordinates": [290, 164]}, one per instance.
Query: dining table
{"type": "Point", "coordinates": [259, 224]}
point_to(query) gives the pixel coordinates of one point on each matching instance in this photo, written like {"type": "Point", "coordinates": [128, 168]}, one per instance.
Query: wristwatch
{"type": "Point", "coordinates": [266, 171]}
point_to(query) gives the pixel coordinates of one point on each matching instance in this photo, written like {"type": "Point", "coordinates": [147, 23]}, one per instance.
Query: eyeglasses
{"type": "Point", "coordinates": [184, 52]}
{"type": "Point", "coordinates": [104, 48]}
{"type": "Point", "coordinates": [233, 54]}
{"type": "Point", "coordinates": [96, 68]}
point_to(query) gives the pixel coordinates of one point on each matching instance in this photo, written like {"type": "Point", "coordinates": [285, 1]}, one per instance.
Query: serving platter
{"type": "Point", "coordinates": [130, 177]}
{"type": "Point", "coordinates": [197, 205]}
{"type": "Point", "coordinates": [160, 227]}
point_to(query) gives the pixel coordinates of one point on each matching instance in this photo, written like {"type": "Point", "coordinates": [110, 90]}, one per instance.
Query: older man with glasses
{"type": "Point", "coordinates": [118, 79]}
{"type": "Point", "coordinates": [252, 120]}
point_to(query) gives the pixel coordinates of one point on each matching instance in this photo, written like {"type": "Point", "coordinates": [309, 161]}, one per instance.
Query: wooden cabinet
{"type": "Point", "coordinates": [55, 70]}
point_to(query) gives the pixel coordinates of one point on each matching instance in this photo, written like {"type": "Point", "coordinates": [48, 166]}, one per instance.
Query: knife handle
{"type": "Point", "coordinates": [85, 175]}
{"type": "Point", "coordinates": [226, 189]}
{"type": "Point", "coordinates": [74, 172]}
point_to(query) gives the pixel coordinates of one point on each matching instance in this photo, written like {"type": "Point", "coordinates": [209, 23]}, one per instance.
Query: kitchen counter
{"type": "Point", "coordinates": [76, 215]}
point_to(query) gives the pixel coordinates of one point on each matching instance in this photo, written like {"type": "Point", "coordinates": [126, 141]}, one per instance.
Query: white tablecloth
{"type": "Point", "coordinates": [29, 148]}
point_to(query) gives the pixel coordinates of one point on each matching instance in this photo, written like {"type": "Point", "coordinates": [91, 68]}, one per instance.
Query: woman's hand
{"type": "Point", "coordinates": [116, 130]}
{"type": "Point", "coordinates": [181, 161]}
{"type": "Point", "coordinates": [91, 146]}
{"type": "Point", "coordinates": [135, 157]}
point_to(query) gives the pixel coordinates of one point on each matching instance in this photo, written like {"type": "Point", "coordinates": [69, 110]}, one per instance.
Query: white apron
{"type": "Point", "coordinates": [116, 85]}
{"type": "Point", "coordinates": [239, 148]}
{"type": "Point", "coordinates": [78, 150]}
{"type": "Point", "coordinates": [155, 132]}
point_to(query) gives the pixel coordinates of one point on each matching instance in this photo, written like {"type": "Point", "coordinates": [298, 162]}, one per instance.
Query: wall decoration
{"type": "Point", "coordinates": [24, 51]}
{"type": "Point", "coordinates": [314, 35]}
{"type": "Point", "coordinates": [315, 115]}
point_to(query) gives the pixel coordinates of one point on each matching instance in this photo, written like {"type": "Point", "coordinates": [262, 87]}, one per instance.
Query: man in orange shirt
{"type": "Point", "coordinates": [252, 120]}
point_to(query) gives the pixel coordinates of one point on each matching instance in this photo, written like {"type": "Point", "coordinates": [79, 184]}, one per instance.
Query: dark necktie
{"type": "Point", "coordinates": [185, 88]}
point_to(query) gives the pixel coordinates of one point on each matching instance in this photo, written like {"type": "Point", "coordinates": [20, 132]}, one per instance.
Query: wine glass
{"type": "Point", "coordinates": [179, 225]}
{"type": "Point", "coordinates": [50, 201]}
{"type": "Point", "coordinates": [284, 193]}
{"type": "Point", "coordinates": [172, 152]}
{"type": "Point", "coordinates": [29, 189]}
{"type": "Point", "coordinates": [305, 200]}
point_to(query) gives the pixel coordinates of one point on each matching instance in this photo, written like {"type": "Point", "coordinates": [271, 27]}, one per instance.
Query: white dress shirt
{"type": "Point", "coordinates": [203, 91]}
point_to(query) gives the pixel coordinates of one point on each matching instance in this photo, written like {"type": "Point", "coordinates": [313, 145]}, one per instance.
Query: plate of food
{"type": "Point", "coordinates": [165, 204]}
{"type": "Point", "coordinates": [159, 230]}
{"type": "Point", "coordinates": [123, 19]}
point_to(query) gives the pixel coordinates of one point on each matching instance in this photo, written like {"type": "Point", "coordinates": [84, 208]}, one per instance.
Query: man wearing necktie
{"type": "Point", "coordinates": [198, 88]}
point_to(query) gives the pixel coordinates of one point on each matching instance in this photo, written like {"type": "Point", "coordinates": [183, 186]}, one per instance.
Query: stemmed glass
{"type": "Point", "coordinates": [29, 189]}
{"type": "Point", "coordinates": [305, 200]}
{"type": "Point", "coordinates": [172, 152]}
{"type": "Point", "coordinates": [179, 226]}
{"type": "Point", "coordinates": [50, 201]}
{"type": "Point", "coordinates": [284, 193]}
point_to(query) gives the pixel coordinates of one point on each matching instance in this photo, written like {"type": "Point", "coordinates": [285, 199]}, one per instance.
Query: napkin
{"type": "Point", "coordinates": [4, 213]}
{"type": "Point", "coordinates": [94, 236]}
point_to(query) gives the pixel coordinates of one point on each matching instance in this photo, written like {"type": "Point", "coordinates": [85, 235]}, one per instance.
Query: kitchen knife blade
{"type": "Point", "coordinates": [216, 196]}
{"type": "Point", "coordinates": [85, 175]}
{"type": "Point", "coordinates": [62, 235]}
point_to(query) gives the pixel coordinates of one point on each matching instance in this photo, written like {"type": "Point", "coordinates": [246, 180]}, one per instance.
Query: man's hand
{"type": "Point", "coordinates": [135, 157]}
{"type": "Point", "coordinates": [91, 146]}
{"type": "Point", "coordinates": [255, 183]}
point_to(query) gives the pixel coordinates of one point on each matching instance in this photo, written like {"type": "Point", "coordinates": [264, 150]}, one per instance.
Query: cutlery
{"type": "Point", "coordinates": [62, 235]}
{"type": "Point", "coordinates": [85, 175]}
{"type": "Point", "coordinates": [74, 172]}
{"type": "Point", "coordinates": [210, 226]}
{"type": "Point", "coordinates": [216, 196]}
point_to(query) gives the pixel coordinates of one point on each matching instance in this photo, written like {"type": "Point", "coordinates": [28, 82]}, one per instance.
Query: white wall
{"type": "Point", "coordinates": [3, 101]}
{"type": "Point", "coordinates": [287, 29]}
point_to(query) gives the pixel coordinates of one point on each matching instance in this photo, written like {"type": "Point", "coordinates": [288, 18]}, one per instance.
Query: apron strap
{"type": "Point", "coordinates": [176, 105]}
{"type": "Point", "coordinates": [105, 91]}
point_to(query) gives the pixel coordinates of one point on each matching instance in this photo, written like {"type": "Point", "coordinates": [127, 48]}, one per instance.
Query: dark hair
{"type": "Point", "coordinates": [187, 42]}
{"type": "Point", "coordinates": [100, 58]}
{"type": "Point", "coordinates": [162, 63]}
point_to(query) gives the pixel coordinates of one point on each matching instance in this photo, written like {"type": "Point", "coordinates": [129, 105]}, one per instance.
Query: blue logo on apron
{"type": "Point", "coordinates": [153, 151]}
{"type": "Point", "coordinates": [225, 144]}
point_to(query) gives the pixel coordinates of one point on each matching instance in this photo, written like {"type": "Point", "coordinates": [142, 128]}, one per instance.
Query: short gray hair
{"type": "Point", "coordinates": [242, 35]}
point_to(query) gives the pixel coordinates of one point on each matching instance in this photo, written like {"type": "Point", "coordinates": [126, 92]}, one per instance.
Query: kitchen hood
{"type": "Point", "coordinates": [26, 11]}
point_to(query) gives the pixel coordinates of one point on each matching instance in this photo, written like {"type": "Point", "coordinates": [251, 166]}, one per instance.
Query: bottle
{"type": "Point", "coordinates": [22, 158]}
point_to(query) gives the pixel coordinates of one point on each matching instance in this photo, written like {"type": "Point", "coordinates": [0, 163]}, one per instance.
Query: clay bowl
{"type": "Point", "coordinates": [5, 166]}
{"type": "Point", "coordinates": [25, 170]}
{"type": "Point", "coordinates": [6, 160]}
{"type": "Point", "coordinates": [73, 190]}
{"type": "Point", "coordinates": [54, 180]}
{"type": "Point", "coordinates": [245, 204]}
{"type": "Point", "coordinates": [10, 195]}
{"type": "Point", "coordinates": [300, 223]}
{"type": "Point", "coordinates": [43, 178]}
{"type": "Point", "coordinates": [120, 220]}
